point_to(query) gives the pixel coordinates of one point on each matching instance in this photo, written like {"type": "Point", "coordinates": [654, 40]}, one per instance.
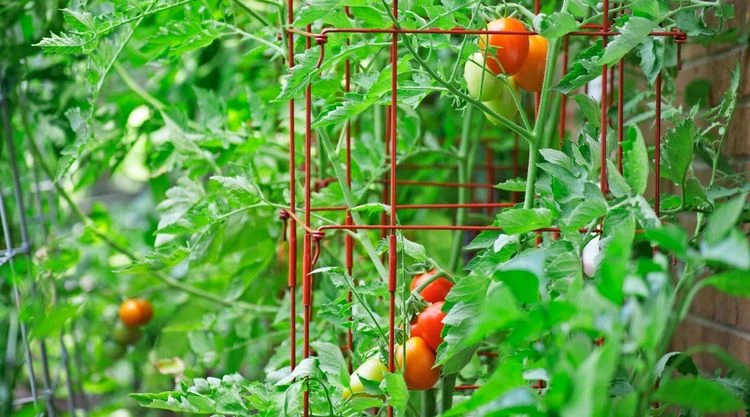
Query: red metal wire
{"type": "Point", "coordinates": [392, 254]}
{"type": "Point", "coordinates": [603, 183]}
{"type": "Point", "coordinates": [388, 226]}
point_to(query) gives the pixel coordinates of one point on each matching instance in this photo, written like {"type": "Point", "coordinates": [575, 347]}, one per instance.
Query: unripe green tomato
{"type": "Point", "coordinates": [114, 350]}
{"type": "Point", "coordinates": [125, 335]}
{"type": "Point", "coordinates": [482, 84]}
{"type": "Point", "coordinates": [372, 369]}
{"type": "Point", "coordinates": [503, 104]}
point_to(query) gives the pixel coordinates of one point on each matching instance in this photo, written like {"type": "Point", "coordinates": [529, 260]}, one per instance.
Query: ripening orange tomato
{"type": "Point", "coordinates": [531, 75]}
{"type": "Point", "coordinates": [136, 312]}
{"type": "Point", "coordinates": [419, 373]}
{"type": "Point", "coordinates": [507, 53]}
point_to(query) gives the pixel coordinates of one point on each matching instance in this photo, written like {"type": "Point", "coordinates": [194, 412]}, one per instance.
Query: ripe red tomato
{"type": "Point", "coordinates": [125, 335]}
{"type": "Point", "coordinates": [507, 52]}
{"type": "Point", "coordinates": [436, 290]}
{"type": "Point", "coordinates": [419, 373]}
{"type": "Point", "coordinates": [531, 75]}
{"type": "Point", "coordinates": [415, 331]}
{"type": "Point", "coordinates": [430, 324]}
{"type": "Point", "coordinates": [135, 312]}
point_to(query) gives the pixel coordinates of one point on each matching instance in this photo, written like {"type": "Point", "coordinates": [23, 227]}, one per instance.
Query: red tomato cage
{"type": "Point", "coordinates": [297, 216]}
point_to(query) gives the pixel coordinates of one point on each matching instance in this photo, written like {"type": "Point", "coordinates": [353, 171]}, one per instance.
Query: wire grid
{"type": "Point", "coordinates": [42, 393]}
{"type": "Point", "coordinates": [388, 226]}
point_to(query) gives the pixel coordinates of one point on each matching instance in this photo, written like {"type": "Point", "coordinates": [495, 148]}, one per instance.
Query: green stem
{"type": "Point", "coordinates": [542, 116]}
{"type": "Point", "coordinates": [449, 383]}
{"type": "Point", "coordinates": [428, 403]}
{"type": "Point", "coordinates": [465, 165]}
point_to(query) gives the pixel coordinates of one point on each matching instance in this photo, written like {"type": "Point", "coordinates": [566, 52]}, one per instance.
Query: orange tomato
{"type": "Point", "coordinates": [135, 312]}
{"type": "Point", "coordinates": [436, 290]}
{"type": "Point", "coordinates": [531, 75]}
{"type": "Point", "coordinates": [507, 53]}
{"type": "Point", "coordinates": [418, 370]}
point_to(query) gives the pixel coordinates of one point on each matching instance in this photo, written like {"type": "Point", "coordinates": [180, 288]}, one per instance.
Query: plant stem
{"type": "Point", "coordinates": [542, 116]}
{"type": "Point", "coordinates": [465, 165]}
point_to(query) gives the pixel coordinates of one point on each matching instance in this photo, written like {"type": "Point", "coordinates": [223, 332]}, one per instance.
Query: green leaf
{"type": "Point", "coordinates": [464, 301]}
{"type": "Point", "coordinates": [677, 151]}
{"type": "Point", "coordinates": [513, 184]}
{"type": "Point", "coordinates": [589, 108]}
{"type": "Point", "coordinates": [555, 157]}
{"type": "Point", "coordinates": [669, 237]}
{"type": "Point", "coordinates": [332, 362]}
{"type": "Point", "coordinates": [64, 44]}
{"type": "Point", "coordinates": [398, 394]}
{"type": "Point", "coordinates": [557, 24]}
{"type": "Point", "coordinates": [584, 69]}
{"type": "Point", "coordinates": [698, 394]}
{"type": "Point", "coordinates": [723, 219]}
{"type": "Point", "coordinates": [682, 361]}
{"type": "Point", "coordinates": [585, 212]}
{"type": "Point", "coordinates": [79, 21]}
{"type": "Point", "coordinates": [515, 221]}
{"type": "Point", "coordinates": [635, 30]}
{"type": "Point", "coordinates": [613, 268]}
{"type": "Point", "coordinates": [635, 165]}
{"type": "Point", "coordinates": [593, 378]}
{"type": "Point", "coordinates": [507, 376]}
{"type": "Point", "coordinates": [734, 250]}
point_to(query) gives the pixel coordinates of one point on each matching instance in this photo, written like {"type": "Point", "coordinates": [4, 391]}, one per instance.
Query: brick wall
{"type": "Point", "coordinates": [717, 318]}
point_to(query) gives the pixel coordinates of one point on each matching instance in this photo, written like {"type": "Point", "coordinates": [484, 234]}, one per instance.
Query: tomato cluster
{"type": "Point", "coordinates": [521, 59]}
{"type": "Point", "coordinates": [416, 357]}
{"type": "Point", "coordinates": [133, 314]}
{"type": "Point", "coordinates": [419, 351]}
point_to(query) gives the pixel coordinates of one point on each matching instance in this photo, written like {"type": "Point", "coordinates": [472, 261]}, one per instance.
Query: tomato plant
{"type": "Point", "coordinates": [147, 150]}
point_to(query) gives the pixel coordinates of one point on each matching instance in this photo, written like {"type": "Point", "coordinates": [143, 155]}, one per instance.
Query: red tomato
{"type": "Point", "coordinates": [531, 75]}
{"type": "Point", "coordinates": [430, 324]}
{"type": "Point", "coordinates": [135, 312]}
{"type": "Point", "coordinates": [419, 373]}
{"type": "Point", "coordinates": [507, 52]}
{"type": "Point", "coordinates": [436, 290]}
{"type": "Point", "coordinates": [415, 331]}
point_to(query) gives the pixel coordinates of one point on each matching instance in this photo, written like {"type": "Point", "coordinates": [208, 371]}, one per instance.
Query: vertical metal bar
{"type": "Point", "coordinates": [392, 248]}
{"type": "Point", "coordinates": [604, 184]}
{"type": "Point", "coordinates": [292, 267]}
{"type": "Point", "coordinates": [307, 242]}
{"type": "Point", "coordinates": [348, 240]}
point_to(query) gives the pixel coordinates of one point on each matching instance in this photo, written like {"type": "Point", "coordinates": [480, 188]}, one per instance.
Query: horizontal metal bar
{"type": "Point", "coordinates": [428, 206]}
{"type": "Point", "coordinates": [595, 32]}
